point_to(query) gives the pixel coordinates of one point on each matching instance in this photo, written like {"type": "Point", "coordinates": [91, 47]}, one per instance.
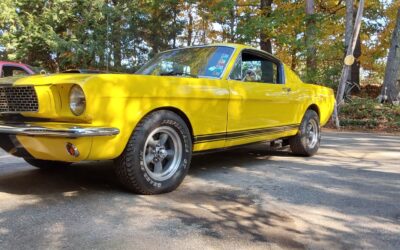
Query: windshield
{"type": "Point", "coordinates": [208, 61]}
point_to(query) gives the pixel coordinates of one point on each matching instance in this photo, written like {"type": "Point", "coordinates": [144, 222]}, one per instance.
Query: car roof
{"type": "Point", "coordinates": [232, 45]}
{"type": "Point", "coordinates": [12, 63]}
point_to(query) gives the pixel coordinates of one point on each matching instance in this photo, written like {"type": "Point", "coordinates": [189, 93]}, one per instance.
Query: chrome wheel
{"type": "Point", "coordinates": [312, 133]}
{"type": "Point", "coordinates": [162, 153]}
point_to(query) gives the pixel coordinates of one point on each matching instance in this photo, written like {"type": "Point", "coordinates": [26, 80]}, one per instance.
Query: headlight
{"type": "Point", "coordinates": [77, 100]}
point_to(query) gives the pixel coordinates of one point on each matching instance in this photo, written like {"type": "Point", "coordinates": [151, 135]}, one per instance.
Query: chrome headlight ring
{"type": "Point", "coordinates": [77, 100]}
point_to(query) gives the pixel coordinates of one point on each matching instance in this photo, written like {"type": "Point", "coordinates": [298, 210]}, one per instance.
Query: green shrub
{"type": "Point", "coordinates": [369, 114]}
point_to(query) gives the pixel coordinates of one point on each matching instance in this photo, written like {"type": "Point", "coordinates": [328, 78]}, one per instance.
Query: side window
{"type": "Point", "coordinates": [13, 71]}
{"type": "Point", "coordinates": [255, 68]}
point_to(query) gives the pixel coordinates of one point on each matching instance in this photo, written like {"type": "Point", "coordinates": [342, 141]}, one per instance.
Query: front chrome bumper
{"type": "Point", "coordinates": [70, 132]}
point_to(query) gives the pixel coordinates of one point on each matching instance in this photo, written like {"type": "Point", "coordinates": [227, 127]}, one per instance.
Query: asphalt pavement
{"type": "Point", "coordinates": [345, 197]}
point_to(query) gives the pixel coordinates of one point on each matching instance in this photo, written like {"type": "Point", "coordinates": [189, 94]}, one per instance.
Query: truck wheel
{"type": "Point", "coordinates": [157, 156]}
{"type": "Point", "coordinates": [307, 140]}
{"type": "Point", "coordinates": [43, 164]}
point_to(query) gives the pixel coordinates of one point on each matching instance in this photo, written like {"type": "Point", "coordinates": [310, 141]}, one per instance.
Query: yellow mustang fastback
{"type": "Point", "coordinates": [182, 101]}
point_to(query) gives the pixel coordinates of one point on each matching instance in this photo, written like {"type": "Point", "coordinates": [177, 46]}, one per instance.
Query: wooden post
{"type": "Point", "coordinates": [349, 60]}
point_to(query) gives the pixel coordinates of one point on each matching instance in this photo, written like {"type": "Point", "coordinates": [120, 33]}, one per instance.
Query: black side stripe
{"type": "Point", "coordinates": [243, 133]}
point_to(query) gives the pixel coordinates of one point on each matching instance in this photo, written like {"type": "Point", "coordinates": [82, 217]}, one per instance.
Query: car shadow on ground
{"type": "Point", "coordinates": [99, 175]}
{"type": "Point", "coordinates": [234, 214]}
{"type": "Point", "coordinates": [224, 196]}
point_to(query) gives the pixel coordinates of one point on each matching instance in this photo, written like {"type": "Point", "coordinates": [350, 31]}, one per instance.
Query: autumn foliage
{"type": "Point", "coordinates": [120, 35]}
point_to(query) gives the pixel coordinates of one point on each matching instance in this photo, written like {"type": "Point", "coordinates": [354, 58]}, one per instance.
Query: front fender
{"type": "Point", "coordinates": [121, 101]}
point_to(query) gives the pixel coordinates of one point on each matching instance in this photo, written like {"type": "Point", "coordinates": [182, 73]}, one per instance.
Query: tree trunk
{"type": "Point", "coordinates": [390, 86]}
{"type": "Point", "coordinates": [311, 62]}
{"type": "Point", "coordinates": [117, 46]}
{"type": "Point", "coordinates": [116, 39]}
{"type": "Point", "coordinates": [265, 41]}
{"type": "Point", "coordinates": [354, 74]}
{"type": "Point", "coordinates": [190, 27]}
{"type": "Point", "coordinates": [203, 37]}
{"type": "Point", "coordinates": [349, 24]}
{"type": "Point", "coordinates": [355, 68]}
{"type": "Point", "coordinates": [101, 63]}
{"type": "Point", "coordinates": [293, 64]}
{"type": "Point", "coordinates": [175, 34]}
{"type": "Point", "coordinates": [232, 31]}
{"type": "Point", "coordinates": [349, 28]}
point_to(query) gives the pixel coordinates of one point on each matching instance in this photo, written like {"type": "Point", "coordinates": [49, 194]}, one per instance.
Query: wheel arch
{"type": "Point", "coordinates": [315, 108]}
{"type": "Point", "coordinates": [180, 113]}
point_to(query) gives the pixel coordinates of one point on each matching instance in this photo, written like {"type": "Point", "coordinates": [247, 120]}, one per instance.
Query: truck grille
{"type": "Point", "coordinates": [18, 99]}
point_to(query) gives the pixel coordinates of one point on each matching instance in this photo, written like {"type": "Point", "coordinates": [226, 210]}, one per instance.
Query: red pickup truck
{"type": "Point", "coordinates": [15, 69]}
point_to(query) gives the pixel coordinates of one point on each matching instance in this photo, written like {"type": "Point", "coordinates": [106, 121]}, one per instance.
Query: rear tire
{"type": "Point", "coordinates": [307, 140]}
{"type": "Point", "coordinates": [44, 164]}
{"type": "Point", "coordinates": [157, 156]}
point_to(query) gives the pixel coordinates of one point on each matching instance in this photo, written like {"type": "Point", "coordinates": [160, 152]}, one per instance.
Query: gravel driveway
{"type": "Point", "coordinates": [346, 197]}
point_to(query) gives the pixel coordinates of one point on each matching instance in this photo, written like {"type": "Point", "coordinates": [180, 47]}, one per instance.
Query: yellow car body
{"type": "Point", "coordinates": [219, 112]}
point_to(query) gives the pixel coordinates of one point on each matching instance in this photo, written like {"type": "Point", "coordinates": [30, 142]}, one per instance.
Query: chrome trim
{"type": "Point", "coordinates": [72, 132]}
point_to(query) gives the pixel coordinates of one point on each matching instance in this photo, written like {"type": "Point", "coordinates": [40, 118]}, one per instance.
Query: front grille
{"type": "Point", "coordinates": [18, 99]}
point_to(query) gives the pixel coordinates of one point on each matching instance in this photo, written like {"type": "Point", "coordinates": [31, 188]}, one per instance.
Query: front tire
{"type": "Point", "coordinates": [44, 164]}
{"type": "Point", "coordinates": [307, 140]}
{"type": "Point", "coordinates": [157, 156]}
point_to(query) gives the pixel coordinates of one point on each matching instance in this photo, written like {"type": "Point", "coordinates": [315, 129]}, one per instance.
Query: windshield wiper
{"type": "Point", "coordinates": [177, 73]}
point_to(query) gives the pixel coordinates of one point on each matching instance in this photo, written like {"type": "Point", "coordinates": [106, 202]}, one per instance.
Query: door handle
{"type": "Point", "coordinates": [287, 89]}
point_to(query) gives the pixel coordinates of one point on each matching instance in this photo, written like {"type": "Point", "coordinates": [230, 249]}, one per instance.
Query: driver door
{"type": "Point", "coordinates": [259, 102]}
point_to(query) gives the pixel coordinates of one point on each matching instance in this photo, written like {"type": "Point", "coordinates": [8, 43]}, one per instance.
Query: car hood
{"type": "Point", "coordinates": [9, 80]}
{"type": "Point", "coordinates": [48, 79]}
{"type": "Point", "coordinates": [74, 78]}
